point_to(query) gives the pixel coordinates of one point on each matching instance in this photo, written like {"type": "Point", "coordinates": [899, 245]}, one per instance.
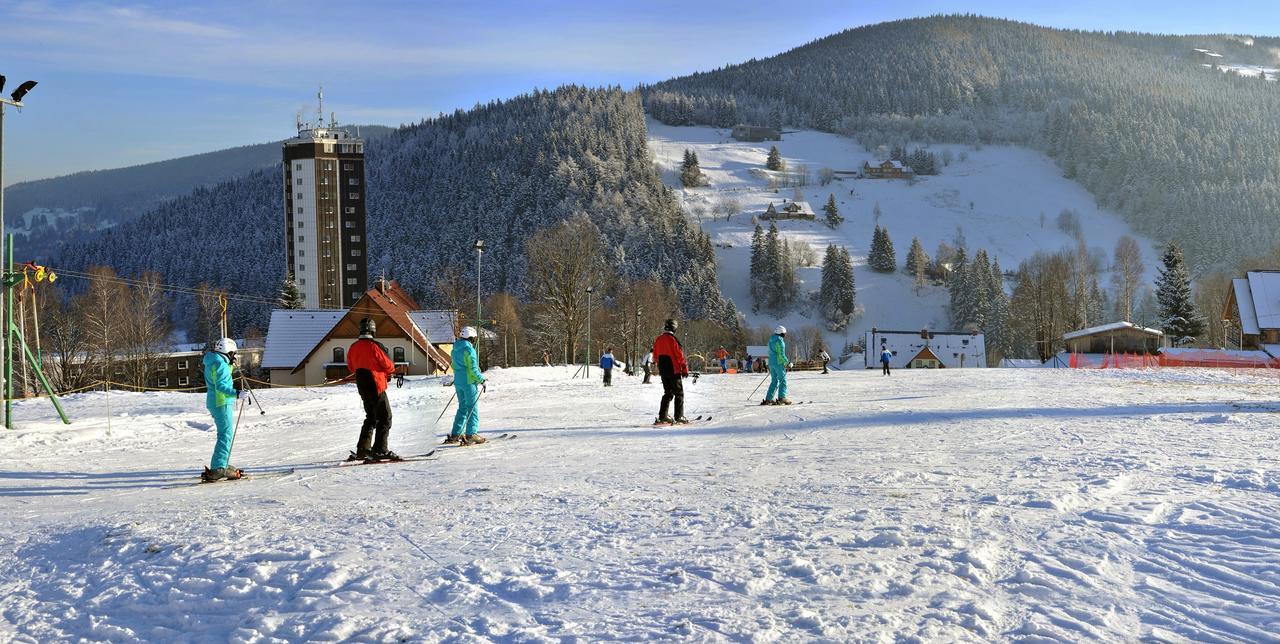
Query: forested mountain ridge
{"type": "Point", "coordinates": [106, 198]}
{"type": "Point", "coordinates": [1181, 151]}
{"type": "Point", "coordinates": [499, 172]}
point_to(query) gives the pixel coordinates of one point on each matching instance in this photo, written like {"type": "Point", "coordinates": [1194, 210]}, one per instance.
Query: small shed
{"type": "Point", "coordinates": [755, 133]}
{"type": "Point", "coordinates": [1116, 337]}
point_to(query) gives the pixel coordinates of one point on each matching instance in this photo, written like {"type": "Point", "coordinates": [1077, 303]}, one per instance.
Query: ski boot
{"type": "Point", "coordinates": [663, 420]}
{"type": "Point", "coordinates": [782, 401]}
{"type": "Point", "coordinates": [358, 455]}
{"type": "Point", "coordinates": [474, 439]}
{"type": "Point", "coordinates": [680, 421]}
{"type": "Point", "coordinates": [378, 457]}
{"type": "Point", "coordinates": [766, 403]}
{"type": "Point", "coordinates": [229, 473]}
{"type": "Point", "coordinates": [452, 439]}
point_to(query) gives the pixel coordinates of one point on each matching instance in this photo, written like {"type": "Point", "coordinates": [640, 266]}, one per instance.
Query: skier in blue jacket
{"type": "Point", "coordinates": [606, 364]}
{"type": "Point", "coordinates": [778, 364]}
{"type": "Point", "coordinates": [220, 399]}
{"type": "Point", "coordinates": [885, 356]}
{"type": "Point", "coordinates": [467, 382]}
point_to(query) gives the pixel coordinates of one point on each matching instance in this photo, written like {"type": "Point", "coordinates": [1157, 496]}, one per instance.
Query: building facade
{"type": "Point", "coordinates": [889, 169]}
{"type": "Point", "coordinates": [755, 133]}
{"type": "Point", "coordinates": [925, 349]}
{"type": "Point", "coordinates": [324, 197]}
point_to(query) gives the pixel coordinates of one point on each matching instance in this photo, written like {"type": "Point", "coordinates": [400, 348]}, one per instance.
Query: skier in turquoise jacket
{"type": "Point", "coordinates": [220, 399]}
{"type": "Point", "coordinates": [777, 368]}
{"type": "Point", "coordinates": [467, 382]}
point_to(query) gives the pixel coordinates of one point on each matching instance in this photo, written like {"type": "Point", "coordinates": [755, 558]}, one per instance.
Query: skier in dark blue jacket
{"type": "Point", "coordinates": [606, 363]}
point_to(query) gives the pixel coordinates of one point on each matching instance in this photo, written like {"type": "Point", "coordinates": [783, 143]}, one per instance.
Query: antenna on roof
{"type": "Point", "coordinates": [320, 107]}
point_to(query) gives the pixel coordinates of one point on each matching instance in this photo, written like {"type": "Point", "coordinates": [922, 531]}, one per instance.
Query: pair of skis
{"type": "Point", "coordinates": [699, 419]}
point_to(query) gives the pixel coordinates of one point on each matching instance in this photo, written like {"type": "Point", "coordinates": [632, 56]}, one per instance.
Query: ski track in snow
{"type": "Point", "coordinates": [954, 505]}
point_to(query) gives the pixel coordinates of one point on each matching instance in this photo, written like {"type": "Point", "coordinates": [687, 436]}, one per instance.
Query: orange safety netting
{"type": "Point", "coordinates": [1209, 358]}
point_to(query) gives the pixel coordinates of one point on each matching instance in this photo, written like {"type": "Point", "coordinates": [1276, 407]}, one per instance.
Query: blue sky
{"type": "Point", "coordinates": [126, 83]}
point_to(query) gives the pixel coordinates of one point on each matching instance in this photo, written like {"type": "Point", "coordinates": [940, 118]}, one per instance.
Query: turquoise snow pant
{"type": "Point", "coordinates": [467, 419]}
{"type": "Point", "coordinates": [777, 382]}
{"type": "Point", "coordinates": [222, 417]}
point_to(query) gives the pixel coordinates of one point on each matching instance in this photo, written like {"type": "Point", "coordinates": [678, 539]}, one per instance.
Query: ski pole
{"type": "Point", "coordinates": [446, 407]}
{"type": "Point", "coordinates": [234, 430]}
{"type": "Point", "coordinates": [253, 397]}
{"type": "Point", "coordinates": [753, 392]}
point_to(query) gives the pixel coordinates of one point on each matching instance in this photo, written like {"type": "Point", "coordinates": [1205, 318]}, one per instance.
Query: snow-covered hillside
{"type": "Point", "coordinates": [1075, 505]}
{"type": "Point", "coordinates": [995, 196]}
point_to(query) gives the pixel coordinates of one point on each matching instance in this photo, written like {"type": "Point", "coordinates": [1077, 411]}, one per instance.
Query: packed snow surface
{"type": "Point", "coordinates": [952, 505]}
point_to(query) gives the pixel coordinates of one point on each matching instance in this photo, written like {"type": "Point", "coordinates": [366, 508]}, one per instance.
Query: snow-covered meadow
{"type": "Point", "coordinates": [1004, 199]}
{"type": "Point", "coordinates": [952, 505]}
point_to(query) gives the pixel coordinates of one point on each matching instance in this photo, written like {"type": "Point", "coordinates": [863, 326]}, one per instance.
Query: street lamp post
{"type": "Point", "coordinates": [635, 340]}
{"type": "Point", "coordinates": [587, 360]}
{"type": "Point", "coordinates": [479, 252]}
{"type": "Point", "coordinates": [6, 345]}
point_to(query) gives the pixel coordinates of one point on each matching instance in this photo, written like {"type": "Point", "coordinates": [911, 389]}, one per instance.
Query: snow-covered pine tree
{"type": "Point", "coordinates": [690, 173]}
{"type": "Point", "coordinates": [774, 162]}
{"type": "Point", "coordinates": [956, 285]}
{"type": "Point", "coordinates": [828, 293]}
{"type": "Point", "coordinates": [771, 269]}
{"type": "Point", "coordinates": [757, 267]}
{"type": "Point", "coordinates": [881, 258]}
{"type": "Point", "coordinates": [847, 288]}
{"type": "Point", "coordinates": [787, 284]}
{"type": "Point", "coordinates": [917, 263]}
{"type": "Point", "coordinates": [1178, 314]}
{"type": "Point", "coordinates": [996, 328]}
{"type": "Point", "coordinates": [290, 295]}
{"type": "Point", "coordinates": [833, 212]}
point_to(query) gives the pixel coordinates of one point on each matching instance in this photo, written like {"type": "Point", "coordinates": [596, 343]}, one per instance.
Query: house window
{"type": "Point", "coordinates": [353, 195]}
{"type": "Point", "coordinates": [302, 281]}
{"type": "Point", "coordinates": [299, 197]}
{"type": "Point", "coordinates": [183, 364]}
{"type": "Point", "coordinates": [299, 180]}
{"type": "Point", "coordinates": [163, 365]}
{"type": "Point", "coordinates": [302, 267]}
{"type": "Point", "coordinates": [353, 181]}
{"type": "Point", "coordinates": [397, 354]}
{"type": "Point", "coordinates": [350, 224]}
{"type": "Point", "coordinates": [348, 166]}
{"type": "Point", "coordinates": [351, 210]}
{"type": "Point", "coordinates": [355, 252]}
{"type": "Point", "coordinates": [299, 224]}
{"type": "Point", "coordinates": [297, 166]}
{"type": "Point", "coordinates": [183, 381]}
{"type": "Point", "coordinates": [299, 210]}
{"type": "Point", "coordinates": [351, 281]}
{"type": "Point", "coordinates": [355, 239]}
{"type": "Point", "coordinates": [162, 382]}
{"type": "Point", "coordinates": [328, 166]}
{"type": "Point", "coordinates": [301, 239]}
{"type": "Point", "coordinates": [302, 253]}
{"type": "Point", "coordinates": [964, 342]}
{"type": "Point", "coordinates": [339, 355]}
{"type": "Point", "coordinates": [351, 267]}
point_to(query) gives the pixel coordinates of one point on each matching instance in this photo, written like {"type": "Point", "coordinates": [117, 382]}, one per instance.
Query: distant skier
{"type": "Point", "coordinates": [671, 368]}
{"type": "Point", "coordinates": [777, 368]}
{"type": "Point", "coordinates": [468, 383]}
{"type": "Point", "coordinates": [648, 366]}
{"type": "Point", "coordinates": [723, 357]}
{"type": "Point", "coordinates": [606, 365]}
{"type": "Point", "coordinates": [885, 356]}
{"type": "Point", "coordinates": [825, 358]}
{"type": "Point", "coordinates": [220, 399]}
{"type": "Point", "coordinates": [546, 359]}
{"type": "Point", "coordinates": [370, 363]}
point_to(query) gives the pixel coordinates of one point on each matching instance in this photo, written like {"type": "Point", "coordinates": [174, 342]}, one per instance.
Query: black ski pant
{"type": "Point", "coordinates": [646, 374]}
{"type": "Point", "coordinates": [672, 388]}
{"type": "Point", "coordinates": [608, 377]}
{"type": "Point", "coordinates": [824, 366]}
{"type": "Point", "coordinates": [886, 368]}
{"type": "Point", "coordinates": [377, 422]}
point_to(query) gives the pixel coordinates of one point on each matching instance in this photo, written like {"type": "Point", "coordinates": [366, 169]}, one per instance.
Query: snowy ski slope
{"type": "Point", "coordinates": [995, 197]}
{"type": "Point", "coordinates": [1073, 505]}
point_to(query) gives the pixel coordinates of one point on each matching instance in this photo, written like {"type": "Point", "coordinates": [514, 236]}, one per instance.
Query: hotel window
{"type": "Point", "coordinates": [355, 252]}
{"type": "Point", "coordinates": [163, 365]}
{"type": "Point", "coordinates": [183, 364]}
{"type": "Point", "coordinates": [353, 181]}
{"type": "Point", "coordinates": [297, 166]}
{"type": "Point", "coordinates": [351, 267]}
{"type": "Point", "coordinates": [302, 267]}
{"type": "Point", "coordinates": [351, 281]}
{"type": "Point", "coordinates": [299, 197]}
{"type": "Point", "coordinates": [302, 253]}
{"type": "Point", "coordinates": [397, 354]}
{"type": "Point", "coordinates": [162, 382]}
{"type": "Point", "coordinates": [300, 224]}
{"type": "Point", "coordinates": [353, 195]}
{"type": "Point", "coordinates": [351, 210]}
{"type": "Point", "coordinates": [355, 239]}
{"type": "Point", "coordinates": [350, 224]}
{"type": "Point", "coordinates": [183, 381]}
{"type": "Point", "coordinates": [328, 166]}
{"type": "Point", "coordinates": [301, 239]}
{"type": "Point", "coordinates": [299, 210]}
{"type": "Point", "coordinates": [299, 180]}
{"type": "Point", "coordinates": [302, 281]}
{"type": "Point", "coordinates": [348, 166]}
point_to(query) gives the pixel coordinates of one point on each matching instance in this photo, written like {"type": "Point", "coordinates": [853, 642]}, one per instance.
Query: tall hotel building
{"type": "Point", "coordinates": [324, 216]}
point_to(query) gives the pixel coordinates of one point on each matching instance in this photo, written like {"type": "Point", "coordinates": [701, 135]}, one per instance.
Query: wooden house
{"type": "Point", "coordinates": [789, 210]}
{"type": "Point", "coordinates": [1253, 309]}
{"type": "Point", "coordinates": [888, 169]}
{"type": "Point", "coordinates": [1117, 337]}
{"type": "Point", "coordinates": [755, 133]}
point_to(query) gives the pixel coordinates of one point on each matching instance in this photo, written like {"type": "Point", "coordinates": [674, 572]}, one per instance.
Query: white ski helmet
{"type": "Point", "coordinates": [779, 330]}
{"type": "Point", "coordinates": [467, 332]}
{"type": "Point", "coordinates": [225, 345]}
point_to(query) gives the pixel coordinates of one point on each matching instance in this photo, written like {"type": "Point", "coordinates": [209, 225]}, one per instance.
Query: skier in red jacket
{"type": "Point", "coordinates": [671, 368]}
{"type": "Point", "coordinates": [370, 363]}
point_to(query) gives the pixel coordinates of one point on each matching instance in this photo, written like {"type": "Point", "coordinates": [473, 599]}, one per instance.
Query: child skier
{"type": "Point", "coordinates": [671, 369]}
{"type": "Point", "coordinates": [606, 365]}
{"type": "Point", "coordinates": [777, 368]}
{"type": "Point", "coordinates": [467, 382]}
{"type": "Point", "coordinates": [885, 356]}
{"type": "Point", "coordinates": [370, 363]}
{"type": "Point", "coordinates": [220, 399]}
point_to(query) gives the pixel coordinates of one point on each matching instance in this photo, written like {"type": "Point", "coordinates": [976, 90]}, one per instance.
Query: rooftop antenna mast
{"type": "Point", "coordinates": [320, 107]}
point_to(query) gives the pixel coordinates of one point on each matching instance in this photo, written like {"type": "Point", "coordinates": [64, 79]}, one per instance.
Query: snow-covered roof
{"type": "Point", "coordinates": [1244, 303]}
{"type": "Point", "coordinates": [294, 332]}
{"type": "Point", "coordinates": [1264, 286]}
{"type": "Point", "coordinates": [437, 325]}
{"type": "Point", "coordinates": [1105, 328]}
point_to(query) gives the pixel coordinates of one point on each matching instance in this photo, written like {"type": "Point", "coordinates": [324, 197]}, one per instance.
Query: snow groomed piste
{"type": "Point", "coordinates": [951, 505]}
